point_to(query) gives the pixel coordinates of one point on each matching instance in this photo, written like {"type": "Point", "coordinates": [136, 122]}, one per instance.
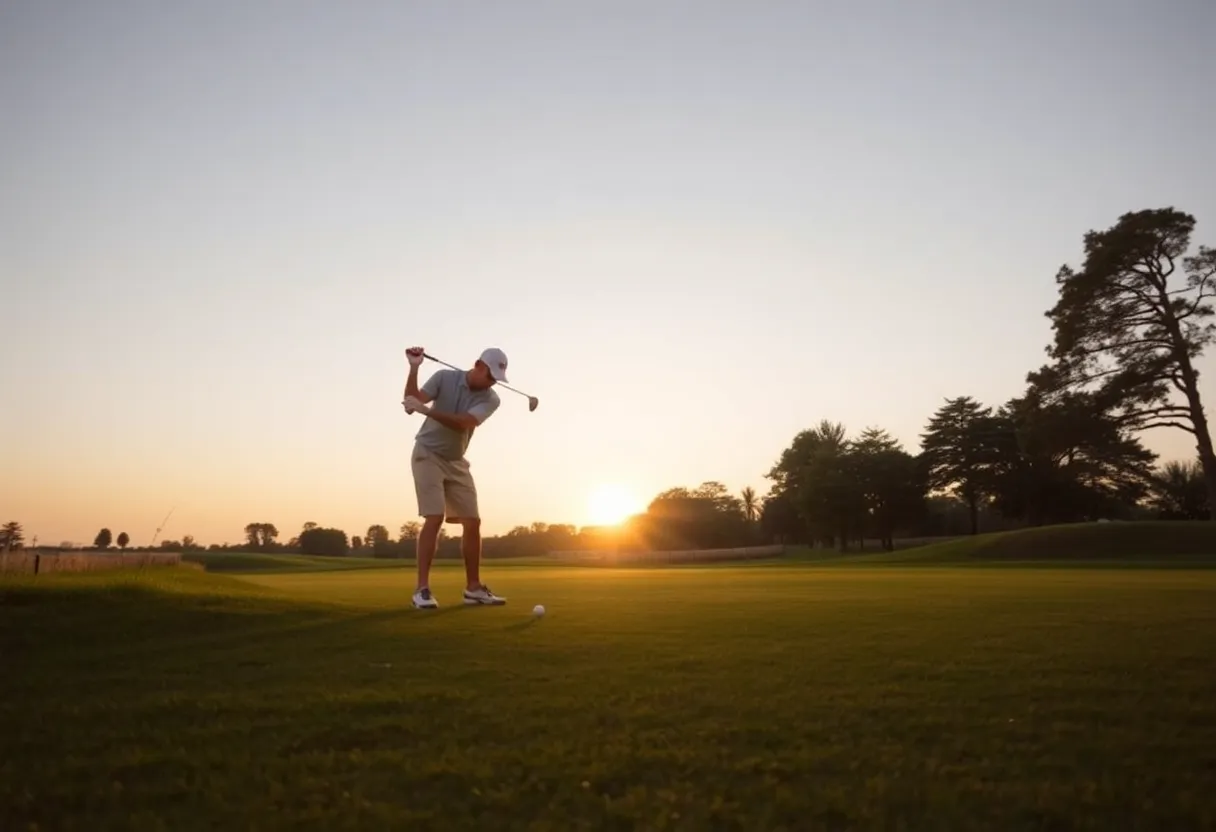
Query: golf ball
{"type": "Point", "coordinates": [538, 610]}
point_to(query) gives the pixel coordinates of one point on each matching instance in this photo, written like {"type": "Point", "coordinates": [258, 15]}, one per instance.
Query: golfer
{"type": "Point", "coordinates": [454, 403]}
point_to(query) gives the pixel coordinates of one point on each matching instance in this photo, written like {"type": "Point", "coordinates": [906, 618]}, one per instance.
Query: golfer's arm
{"type": "Point", "coordinates": [455, 421]}
{"type": "Point", "coordinates": [411, 387]}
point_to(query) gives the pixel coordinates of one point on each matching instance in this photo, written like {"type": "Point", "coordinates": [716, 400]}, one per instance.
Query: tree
{"type": "Point", "coordinates": [892, 483]}
{"type": "Point", "coordinates": [123, 540]}
{"type": "Point", "coordinates": [780, 520]}
{"type": "Point", "coordinates": [262, 535]}
{"type": "Point", "coordinates": [1123, 331]}
{"type": "Point", "coordinates": [104, 539]}
{"type": "Point", "coordinates": [356, 542]}
{"type": "Point", "coordinates": [705, 517]}
{"type": "Point", "coordinates": [320, 541]}
{"type": "Point", "coordinates": [1179, 492]}
{"type": "Point", "coordinates": [958, 452]}
{"type": "Point", "coordinates": [410, 530]}
{"type": "Point", "coordinates": [377, 536]}
{"type": "Point", "coordinates": [816, 473]}
{"type": "Point", "coordinates": [11, 536]}
{"type": "Point", "coordinates": [378, 539]}
{"type": "Point", "coordinates": [188, 543]}
{"type": "Point", "coordinates": [1063, 458]}
{"type": "Point", "coordinates": [751, 504]}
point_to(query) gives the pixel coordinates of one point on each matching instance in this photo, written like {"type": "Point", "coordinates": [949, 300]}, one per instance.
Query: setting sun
{"type": "Point", "coordinates": [609, 505]}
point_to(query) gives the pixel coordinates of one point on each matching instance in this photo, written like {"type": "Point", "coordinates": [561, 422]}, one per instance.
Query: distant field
{"type": "Point", "coordinates": [786, 696]}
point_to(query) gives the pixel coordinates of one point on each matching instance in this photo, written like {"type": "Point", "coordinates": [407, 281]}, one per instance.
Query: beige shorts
{"type": "Point", "coordinates": [443, 486]}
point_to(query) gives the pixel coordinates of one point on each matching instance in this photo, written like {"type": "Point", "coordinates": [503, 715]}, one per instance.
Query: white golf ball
{"type": "Point", "coordinates": [538, 610]}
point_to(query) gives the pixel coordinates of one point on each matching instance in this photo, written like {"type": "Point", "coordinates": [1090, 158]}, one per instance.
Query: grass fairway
{"type": "Point", "coordinates": [730, 698]}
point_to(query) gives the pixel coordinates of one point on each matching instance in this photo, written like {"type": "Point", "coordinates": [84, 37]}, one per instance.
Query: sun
{"type": "Point", "coordinates": [610, 505]}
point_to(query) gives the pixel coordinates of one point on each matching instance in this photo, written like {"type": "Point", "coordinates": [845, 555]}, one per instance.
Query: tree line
{"type": "Point", "coordinates": [1128, 325]}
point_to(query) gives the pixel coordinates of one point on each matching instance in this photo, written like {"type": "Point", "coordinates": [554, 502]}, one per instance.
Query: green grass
{"type": "Point", "coordinates": [797, 697]}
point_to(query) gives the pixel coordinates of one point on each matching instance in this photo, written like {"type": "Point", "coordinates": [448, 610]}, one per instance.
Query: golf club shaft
{"type": "Point", "coordinates": [454, 367]}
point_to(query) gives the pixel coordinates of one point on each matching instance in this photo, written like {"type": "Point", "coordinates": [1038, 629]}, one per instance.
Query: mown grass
{"type": "Point", "coordinates": [727, 698]}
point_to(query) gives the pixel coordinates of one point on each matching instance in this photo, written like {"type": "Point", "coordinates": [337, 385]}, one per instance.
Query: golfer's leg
{"type": "Point", "coordinates": [460, 494]}
{"type": "Point", "coordinates": [470, 548]}
{"type": "Point", "coordinates": [462, 505]}
{"type": "Point", "coordinates": [428, 487]}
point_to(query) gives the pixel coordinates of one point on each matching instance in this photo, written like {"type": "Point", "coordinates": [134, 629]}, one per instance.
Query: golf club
{"type": "Point", "coordinates": [532, 400]}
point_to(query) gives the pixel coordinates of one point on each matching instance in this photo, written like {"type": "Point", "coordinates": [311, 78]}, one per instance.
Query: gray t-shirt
{"type": "Point", "coordinates": [450, 393]}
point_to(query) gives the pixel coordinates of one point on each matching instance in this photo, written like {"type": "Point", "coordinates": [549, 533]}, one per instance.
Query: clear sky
{"type": "Point", "coordinates": [695, 228]}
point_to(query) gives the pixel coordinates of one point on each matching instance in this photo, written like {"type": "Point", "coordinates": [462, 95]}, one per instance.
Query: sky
{"type": "Point", "coordinates": [695, 229]}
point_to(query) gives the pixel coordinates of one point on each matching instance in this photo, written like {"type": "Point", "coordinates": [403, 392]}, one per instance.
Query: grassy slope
{"type": "Point", "coordinates": [739, 698]}
{"type": "Point", "coordinates": [1157, 543]}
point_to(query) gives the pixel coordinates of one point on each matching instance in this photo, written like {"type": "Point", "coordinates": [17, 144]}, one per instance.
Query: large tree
{"type": "Point", "coordinates": [378, 538]}
{"type": "Point", "coordinates": [814, 471]}
{"type": "Point", "coordinates": [104, 538]}
{"type": "Point", "coordinates": [1128, 330]}
{"type": "Point", "coordinates": [123, 540]}
{"type": "Point", "coordinates": [323, 541]}
{"type": "Point", "coordinates": [262, 535]}
{"type": "Point", "coordinates": [1061, 457]}
{"type": "Point", "coordinates": [844, 490]}
{"type": "Point", "coordinates": [892, 484]}
{"type": "Point", "coordinates": [705, 517]}
{"type": "Point", "coordinates": [959, 453]}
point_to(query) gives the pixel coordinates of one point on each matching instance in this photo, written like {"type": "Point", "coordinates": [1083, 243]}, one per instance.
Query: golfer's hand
{"type": "Point", "coordinates": [411, 404]}
{"type": "Point", "coordinates": [414, 356]}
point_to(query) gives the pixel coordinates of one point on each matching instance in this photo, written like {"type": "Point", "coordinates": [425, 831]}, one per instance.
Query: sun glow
{"type": "Point", "coordinates": [610, 505]}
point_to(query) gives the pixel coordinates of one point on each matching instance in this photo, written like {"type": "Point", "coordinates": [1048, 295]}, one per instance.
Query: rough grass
{"type": "Point", "coordinates": [727, 698]}
{"type": "Point", "coordinates": [261, 562]}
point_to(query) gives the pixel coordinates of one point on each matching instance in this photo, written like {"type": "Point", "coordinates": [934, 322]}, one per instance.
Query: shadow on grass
{"type": "Point", "coordinates": [520, 626]}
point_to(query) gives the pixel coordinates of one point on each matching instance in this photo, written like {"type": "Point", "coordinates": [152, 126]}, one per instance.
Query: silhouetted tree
{"type": "Point", "coordinates": [751, 504]}
{"type": "Point", "coordinates": [321, 541]}
{"type": "Point", "coordinates": [123, 540]}
{"type": "Point", "coordinates": [706, 517]}
{"type": "Point", "coordinates": [1124, 332]}
{"type": "Point", "coordinates": [816, 472]}
{"type": "Point", "coordinates": [11, 536]}
{"type": "Point", "coordinates": [780, 520]}
{"type": "Point", "coordinates": [104, 539]}
{"type": "Point", "coordinates": [958, 452]}
{"type": "Point", "coordinates": [1064, 459]}
{"type": "Point", "coordinates": [261, 536]}
{"type": "Point", "coordinates": [377, 538]}
{"type": "Point", "coordinates": [892, 484]}
{"type": "Point", "coordinates": [1179, 492]}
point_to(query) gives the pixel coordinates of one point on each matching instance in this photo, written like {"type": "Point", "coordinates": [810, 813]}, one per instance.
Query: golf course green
{"type": "Point", "coordinates": [777, 696]}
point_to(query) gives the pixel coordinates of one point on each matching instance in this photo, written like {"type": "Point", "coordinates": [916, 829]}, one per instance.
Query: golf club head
{"type": "Point", "coordinates": [532, 403]}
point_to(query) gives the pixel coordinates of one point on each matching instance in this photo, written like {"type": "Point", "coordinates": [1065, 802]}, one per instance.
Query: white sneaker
{"type": "Point", "coordinates": [423, 599]}
{"type": "Point", "coordinates": [483, 595]}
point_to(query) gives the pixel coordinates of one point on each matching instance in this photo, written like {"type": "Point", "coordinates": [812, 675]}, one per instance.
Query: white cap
{"type": "Point", "coordinates": [496, 360]}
